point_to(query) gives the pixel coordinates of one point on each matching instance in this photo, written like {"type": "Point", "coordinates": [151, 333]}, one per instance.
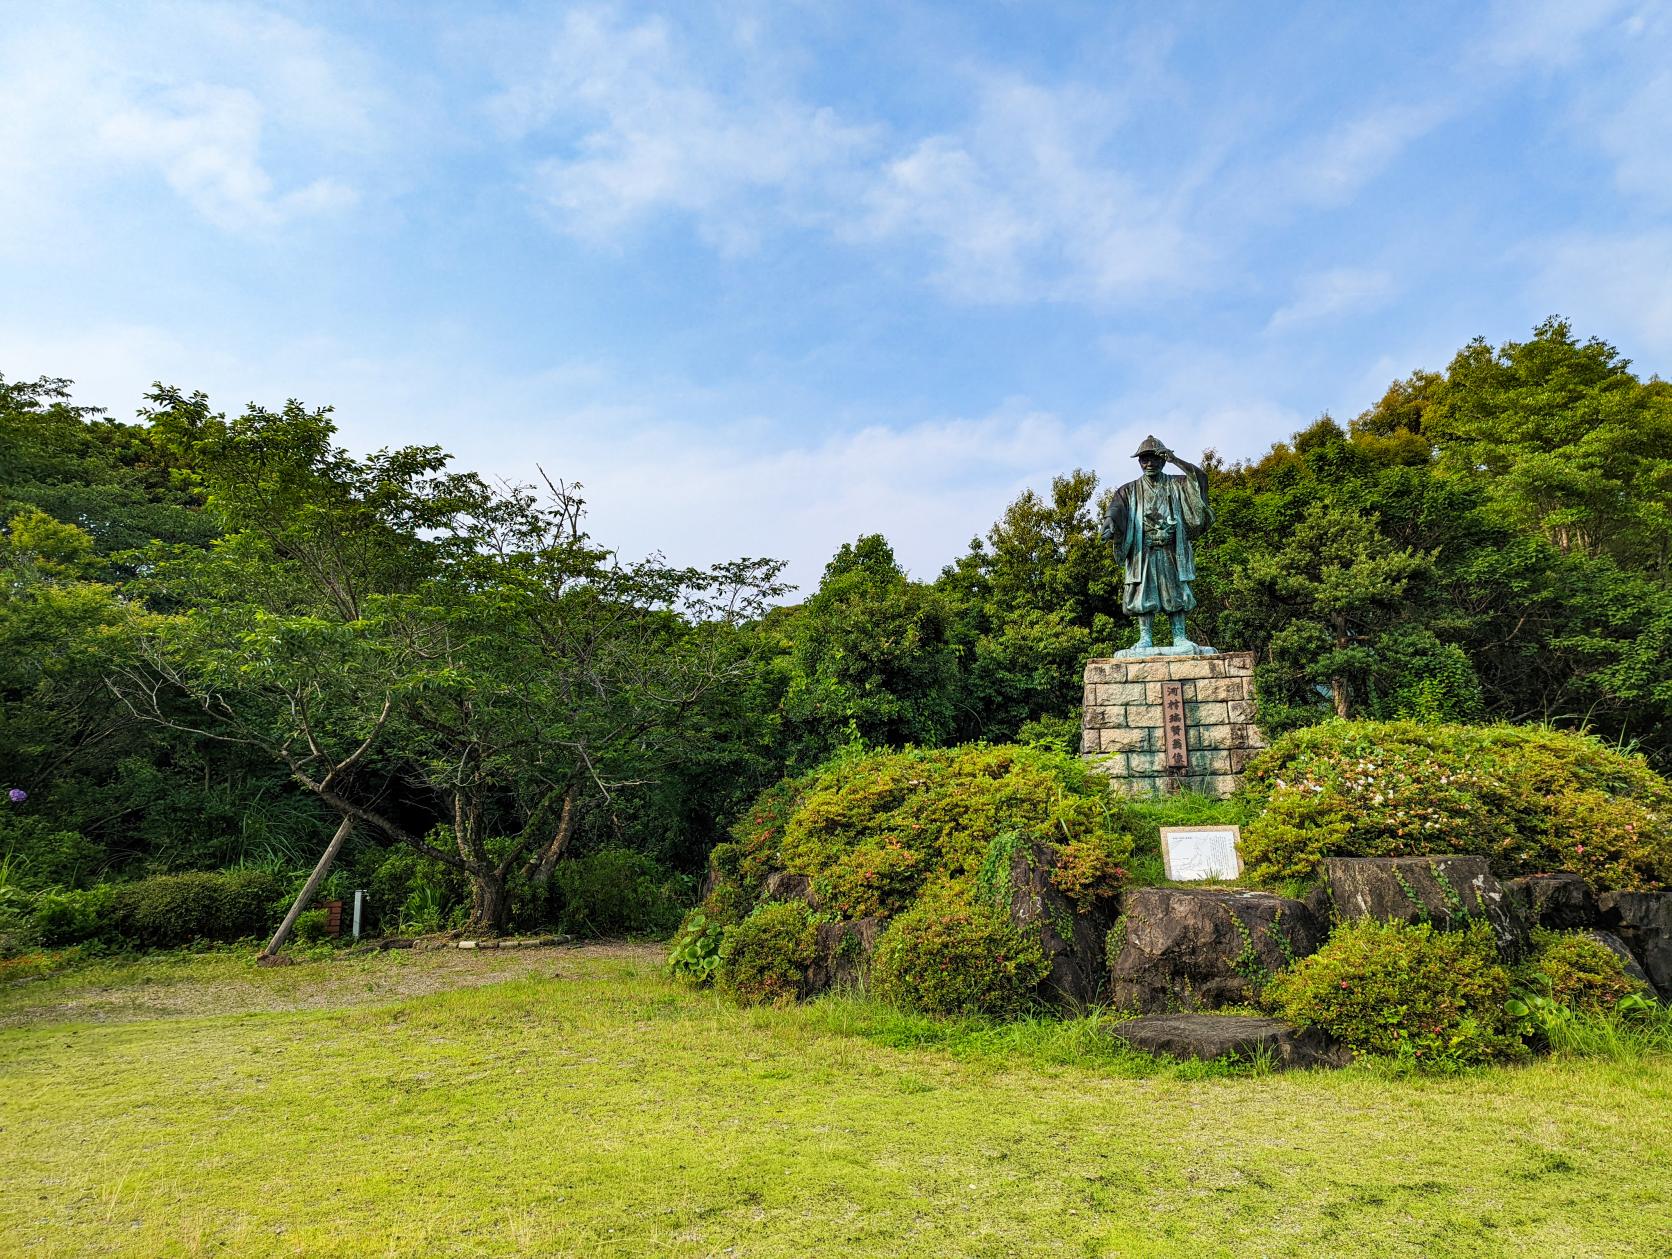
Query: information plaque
{"type": "Point", "coordinates": [1190, 853]}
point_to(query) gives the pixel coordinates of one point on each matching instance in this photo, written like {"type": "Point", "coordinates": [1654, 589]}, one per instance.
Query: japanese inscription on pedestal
{"type": "Point", "coordinates": [1172, 718]}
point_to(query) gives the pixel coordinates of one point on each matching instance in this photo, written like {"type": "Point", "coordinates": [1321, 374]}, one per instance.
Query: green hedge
{"type": "Point", "coordinates": [1528, 799]}
{"type": "Point", "coordinates": [162, 911]}
{"type": "Point", "coordinates": [171, 909]}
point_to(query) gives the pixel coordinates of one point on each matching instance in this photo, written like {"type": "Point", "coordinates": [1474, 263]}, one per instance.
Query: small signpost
{"type": "Point", "coordinates": [1190, 853]}
{"type": "Point", "coordinates": [1172, 724]}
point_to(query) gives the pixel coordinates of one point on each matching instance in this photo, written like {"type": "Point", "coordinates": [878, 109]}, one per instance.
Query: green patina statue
{"type": "Point", "coordinates": [1152, 522]}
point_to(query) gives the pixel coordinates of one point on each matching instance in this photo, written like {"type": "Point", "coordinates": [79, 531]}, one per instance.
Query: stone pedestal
{"type": "Point", "coordinates": [1123, 730]}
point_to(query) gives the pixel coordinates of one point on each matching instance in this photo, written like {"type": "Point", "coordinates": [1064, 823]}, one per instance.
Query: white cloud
{"type": "Point", "coordinates": [641, 129]}
{"type": "Point", "coordinates": [1343, 291]}
{"type": "Point", "coordinates": [1330, 169]}
{"type": "Point", "coordinates": [1026, 202]}
{"type": "Point", "coordinates": [251, 119]}
{"type": "Point", "coordinates": [1638, 136]}
{"type": "Point", "coordinates": [1609, 282]}
{"type": "Point", "coordinates": [1546, 32]}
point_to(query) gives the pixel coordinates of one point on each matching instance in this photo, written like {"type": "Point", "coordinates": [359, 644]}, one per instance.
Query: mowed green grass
{"type": "Point", "coordinates": [589, 1106]}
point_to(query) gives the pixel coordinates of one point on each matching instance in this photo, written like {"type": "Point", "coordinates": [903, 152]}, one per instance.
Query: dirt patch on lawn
{"type": "Point", "coordinates": [189, 986]}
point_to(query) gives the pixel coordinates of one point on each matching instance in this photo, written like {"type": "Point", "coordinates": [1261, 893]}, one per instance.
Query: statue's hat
{"type": "Point", "coordinates": [1151, 445]}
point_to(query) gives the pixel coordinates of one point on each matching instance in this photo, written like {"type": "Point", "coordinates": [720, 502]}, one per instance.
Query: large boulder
{"type": "Point", "coordinates": [1073, 939]}
{"type": "Point", "coordinates": [1644, 921]}
{"type": "Point", "coordinates": [1201, 948]}
{"type": "Point", "coordinates": [843, 952]}
{"type": "Point", "coordinates": [1211, 1036]}
{"type": "Point", "coordinates": [1558, 902]}
{"type": "Point", "coordinates": [1449, 892]}
{"type": "Point", "coordinates": [1628, 960]}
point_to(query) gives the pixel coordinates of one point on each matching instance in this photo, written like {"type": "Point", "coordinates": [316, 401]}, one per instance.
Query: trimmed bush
{"type": "Point", "coordinates": [766, 956]}
{"type": "Point", "coordinates": [1527, 799]}
{"type": "Point", "coordinates": [947, 955]}
{"type": "Point", "coordinates": [1434, 1000]}
{"type": "Point", "coordinates": [1575, 971]}
{"type": "Point", "coordinates": [171, 909]}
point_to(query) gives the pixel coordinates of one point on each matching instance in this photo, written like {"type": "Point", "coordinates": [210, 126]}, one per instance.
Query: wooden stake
{"type": "Point", "coordinates": [307, 892]}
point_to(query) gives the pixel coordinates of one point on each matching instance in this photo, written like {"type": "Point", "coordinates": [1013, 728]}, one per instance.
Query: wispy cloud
{"type": "Point", "coordinates": [639, 128]}
{"type": "Point", "coordinates": [1341, 291]}
{"type": "Point", "coordinates": [1026, 203]}
{"type": "Point", "coordinates": [251, 119]}
{"type": "Point", "coordinates": [1549, 33]}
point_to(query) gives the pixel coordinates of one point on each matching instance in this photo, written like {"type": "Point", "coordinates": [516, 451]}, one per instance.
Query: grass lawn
{"type": "Point", "coordinates": [559, 1102]}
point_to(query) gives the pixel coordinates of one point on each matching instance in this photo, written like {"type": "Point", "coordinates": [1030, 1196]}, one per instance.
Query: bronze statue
{"type": "Point", "coordinates": [1152, 522]}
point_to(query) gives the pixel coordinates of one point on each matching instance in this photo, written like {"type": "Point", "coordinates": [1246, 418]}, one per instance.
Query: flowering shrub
{"type": "Point", "coordinates": [871, 829]}
{"type": "Point", "coordinates": [947, 955]}
{"type": "Point", "coordinates": [867, 832]}
{"type": "Point", "coordinates": [766, 956]}
{"type": "Point", "coordinates": [1434, 1000]}
{"type": "Point", "coordinates": [1575, 971]}
{"type": "Point", "coordinates": [1525, 798]}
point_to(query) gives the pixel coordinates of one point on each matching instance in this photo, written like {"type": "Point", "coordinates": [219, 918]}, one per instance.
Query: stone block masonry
{"type": "Point", "coordinates": [1123, 731]}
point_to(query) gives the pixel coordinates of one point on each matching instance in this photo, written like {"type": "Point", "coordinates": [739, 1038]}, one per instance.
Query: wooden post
{"type": "Point", "coordinates": [307, 892]}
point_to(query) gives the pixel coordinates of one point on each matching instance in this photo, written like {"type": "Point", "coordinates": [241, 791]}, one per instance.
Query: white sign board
{"type": "Point", "coordinates": [1201, 852]}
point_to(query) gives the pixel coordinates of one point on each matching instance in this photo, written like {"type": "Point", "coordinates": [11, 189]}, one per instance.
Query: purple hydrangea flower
{"type": "Point", "coordinates": [17, 795]}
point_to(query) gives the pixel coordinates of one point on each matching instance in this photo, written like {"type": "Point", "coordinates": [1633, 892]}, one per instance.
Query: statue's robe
{"type": "Point", "coordinates": [1152, 524]}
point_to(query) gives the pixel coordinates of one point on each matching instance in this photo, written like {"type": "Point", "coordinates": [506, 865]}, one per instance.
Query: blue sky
{"type": "Point", "coordinates": [767, 276]}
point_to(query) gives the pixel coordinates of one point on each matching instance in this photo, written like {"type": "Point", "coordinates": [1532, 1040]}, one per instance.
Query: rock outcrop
{"type": "Point", "coordinates": [1449, 892]}
{"type": "Point", "coordinates": [1558, 902]}
{"type": "Point", "coordinates": [1200, 948]}
{"type": "Point", "coordinates": [1073, 939]}
{"type": "Point", "coordinates": [1644, 921]}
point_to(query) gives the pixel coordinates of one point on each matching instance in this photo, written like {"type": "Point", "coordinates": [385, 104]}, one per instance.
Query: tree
{"type": "Point", "coordinates": [1325, 598]}
{"type": "Point", "coordinates": [455, 667]}
{"type": "Point", "coordinates": [869, 657]}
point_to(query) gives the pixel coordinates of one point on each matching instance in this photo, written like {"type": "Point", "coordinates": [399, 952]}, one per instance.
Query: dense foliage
{"type": "Point", "coordinates": [1575, 971]}
{"type": "Point", "coordinates": [952, 955]}
{"type": "Point", "coordinates": [766, 956]}
{"type": "Point", "coordinates": [870, 829]}
{"type": "Point", "coordinates": [921, 839]}
{"type": "Point", "coordinates": [1528, 799]}
{"type": "Point", "coordinates": [220, 635]}
{"type": "Point", "coordinates": [1434, 1000]}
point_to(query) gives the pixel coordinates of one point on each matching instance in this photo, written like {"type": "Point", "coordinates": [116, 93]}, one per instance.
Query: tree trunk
{"type": "Point", "coordinates": [490, 902]}
{"type": "Point", "coordinates": [1338, 693]}
{"type": "Point", "coordinates": [308, 890]}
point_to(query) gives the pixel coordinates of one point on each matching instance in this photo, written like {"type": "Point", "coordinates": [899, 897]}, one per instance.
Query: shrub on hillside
{"type": "Point", "coordinates": [766, 956]}
{"type": "Point", "coordinates": [1528, 799]}
{"type": "Point", "coordinates": [170, 909]}
{"type": "Point", "coordinates": [1575, 971]}
{"type": "Point", "coordinates": [870, 829]}
{"type": "Point", "coordinates": [1432, 999]}
{"type": "Point", "coordinates": [948, 955]}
